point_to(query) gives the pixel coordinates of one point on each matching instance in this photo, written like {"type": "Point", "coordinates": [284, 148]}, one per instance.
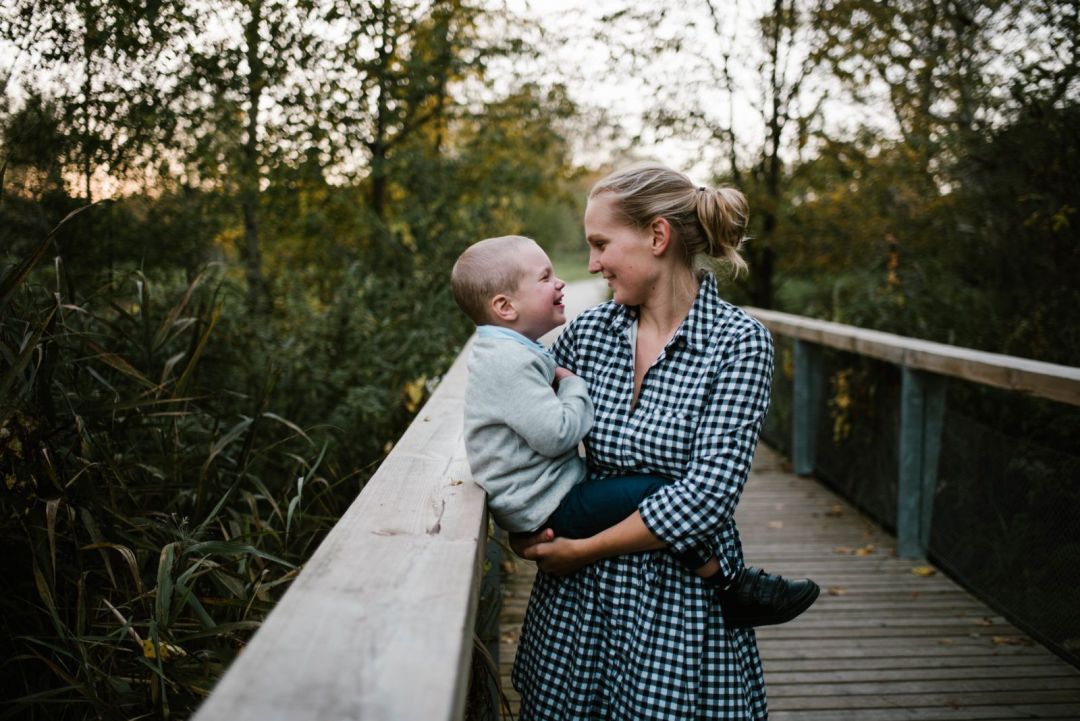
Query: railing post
{"type": "Point", "coordinates": [922, 410]}
{"type": "Point", "coordinates": [809, 384]}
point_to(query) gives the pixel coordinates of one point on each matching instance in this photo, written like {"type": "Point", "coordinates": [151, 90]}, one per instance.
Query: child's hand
{"type": "Point", "coordinates": [559, 557]}
{"type": "Point", "coordinates": [521, 544]}
{"type": "Point", "coordinates": [561, 373]}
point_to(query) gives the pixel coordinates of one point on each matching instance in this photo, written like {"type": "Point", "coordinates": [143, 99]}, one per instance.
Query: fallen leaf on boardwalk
{"type": "Point", "coordinates": [1011, 641]}
{"type": "Point", "coordinates": [984, 621]}
{"type": "Point", "coordinates": [945, 641]}
{"type": "Point", "coordinates": [923, 571]}
{"type": "Point", "coordinates": [915, 595]}
{"type": "Point", "coordinates": [842, 550]}
{"type": "Point", "coordinates": [836, 510]}
{"type": "Point", "coordinates": [837, 591]}
{"type": "Point", "coordinates": [776, 524]}
{"type": "Point", "coordinates": [865, 550]}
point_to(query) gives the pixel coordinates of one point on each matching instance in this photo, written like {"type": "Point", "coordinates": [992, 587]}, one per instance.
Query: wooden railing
{"type": "Point", "coordinates": [924, 367]}
{"type": "Point", "coordinates": [379, 624]}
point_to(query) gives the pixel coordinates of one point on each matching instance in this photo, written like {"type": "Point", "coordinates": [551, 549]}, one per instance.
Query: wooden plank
{"type": "Point", "coordinates": [944, 701]}
{"type": "Point", "coordinates": [1012, 712]}
{"type": "Point", "coordinates": [1046, 380]}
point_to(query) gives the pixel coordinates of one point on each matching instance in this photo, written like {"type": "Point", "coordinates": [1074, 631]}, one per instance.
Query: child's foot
{"type": "Point", "coordinates": [756, 598]}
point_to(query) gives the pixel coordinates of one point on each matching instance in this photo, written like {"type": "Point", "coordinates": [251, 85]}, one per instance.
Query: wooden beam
{"type": "Point", "coordinates": [1045, 380]}
{"type": "Point", "coordinates": [807, 398]}
{"type": "Point", "coordinates": [922, 410]}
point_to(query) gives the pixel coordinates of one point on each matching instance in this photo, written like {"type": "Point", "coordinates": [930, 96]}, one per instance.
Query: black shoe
{"type": "Point", "coordinates": [756, 598]}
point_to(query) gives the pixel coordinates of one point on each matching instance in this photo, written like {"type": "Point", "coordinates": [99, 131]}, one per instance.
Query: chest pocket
{"type": "Point", "coordinates": [661, 441]}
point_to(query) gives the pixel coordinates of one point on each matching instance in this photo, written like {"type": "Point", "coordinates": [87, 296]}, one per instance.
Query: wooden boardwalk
{"type": "Point", "coordinates": [882, 642]}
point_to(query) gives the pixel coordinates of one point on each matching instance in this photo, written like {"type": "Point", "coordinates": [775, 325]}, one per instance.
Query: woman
{"type": "Point", "coordinates": [680, 380]}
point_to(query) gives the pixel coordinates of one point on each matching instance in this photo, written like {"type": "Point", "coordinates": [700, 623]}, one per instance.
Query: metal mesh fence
{"type": "Point", "coordinates": [1006, 520]}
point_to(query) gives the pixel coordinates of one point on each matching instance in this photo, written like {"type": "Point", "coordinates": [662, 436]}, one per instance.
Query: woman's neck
{"type": "Point", "coordinates": [669, 302]}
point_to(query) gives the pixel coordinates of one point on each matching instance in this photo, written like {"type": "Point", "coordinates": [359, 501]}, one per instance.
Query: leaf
{"type": "Point", "coordinates": [127, 554]}
{"type": "Point", "coordinates": [115, 361]}
{"type": "Point", "coordinates": [836, 510]}
{"type": "Point", "coordinates": [842, 550]}
{"type": "Point", "coordinates": [776, 524]}
{"type": "Point", "coordinates": [1011, 641]}
{"type": "Point", "coordinates": [24, 356]}
{"type": "Point", "coordinates": [924, 571]}
{"type": "Point", "coordinates": [837, 591]}
{"type": "Point", "coordinates": [414, 393]}
{"type": "Point", "coordinates": [221, 629]}
{"type": "Point", "coordinates": [866, 550]}
{"type": "Point", "coordinates": [189, 369]}
{"type": "Point", "coordinates": [167, 650]}
{"type": "Point", "coordinates": [51, 507]}
{"type": "Point", "coordinates": [289, 424]}
{"type": "Point", "coordinates": [163, 601]}
{"type": "Point", "coordinates": [231, 548]}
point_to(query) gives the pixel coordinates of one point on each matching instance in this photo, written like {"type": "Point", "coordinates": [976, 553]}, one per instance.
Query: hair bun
{"type": "Point", "coordinates": [724, 215]}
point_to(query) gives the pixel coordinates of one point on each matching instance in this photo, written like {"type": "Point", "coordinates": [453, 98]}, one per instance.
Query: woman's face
{"type": "Point", "coordinates": [622, 254]}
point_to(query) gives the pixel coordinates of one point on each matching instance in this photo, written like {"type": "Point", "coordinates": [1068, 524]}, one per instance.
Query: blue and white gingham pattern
{"type": "Point", "coordinates": [638, 636]}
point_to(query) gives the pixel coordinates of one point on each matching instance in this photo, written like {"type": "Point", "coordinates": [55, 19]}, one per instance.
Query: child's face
{"type": "Point", "coordinates": [538, 298]}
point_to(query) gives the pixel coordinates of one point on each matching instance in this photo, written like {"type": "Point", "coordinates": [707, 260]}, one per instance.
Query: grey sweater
{"type": "Point", "coordinates": [521, 437]}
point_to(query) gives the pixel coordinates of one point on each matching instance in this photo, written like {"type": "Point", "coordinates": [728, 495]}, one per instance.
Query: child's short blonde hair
{"type": "Point", "coordinates": [486, 269]}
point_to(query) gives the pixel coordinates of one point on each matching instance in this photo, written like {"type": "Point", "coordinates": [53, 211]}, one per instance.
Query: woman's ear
{"type": "Point", "coordinates": [502, 307]}
{"type": "Point", "coordinates": [660, 230]}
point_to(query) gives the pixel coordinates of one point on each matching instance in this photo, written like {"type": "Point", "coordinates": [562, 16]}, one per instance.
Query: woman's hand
{"type": "Point", "coordinates": [560, 556]}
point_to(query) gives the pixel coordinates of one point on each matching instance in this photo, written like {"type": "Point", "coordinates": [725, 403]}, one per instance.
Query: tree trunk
{"type": "Point", "coordinates": [258, 295]}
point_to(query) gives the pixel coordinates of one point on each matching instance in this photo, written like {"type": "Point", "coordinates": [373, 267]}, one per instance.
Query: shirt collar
{"type": "Point", "coordinates": [696, 329]}
{"type": "Point", "coordinates": [497, 331]}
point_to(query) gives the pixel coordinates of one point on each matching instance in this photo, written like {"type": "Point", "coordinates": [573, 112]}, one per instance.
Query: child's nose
{"type": "Point", "coordinates": [560, 284]}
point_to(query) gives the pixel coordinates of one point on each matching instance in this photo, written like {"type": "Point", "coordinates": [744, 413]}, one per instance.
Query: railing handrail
{"type": "Point", "coordinates": [379, 624]}
{"type": "Point", "coordinates": [1046, 380]}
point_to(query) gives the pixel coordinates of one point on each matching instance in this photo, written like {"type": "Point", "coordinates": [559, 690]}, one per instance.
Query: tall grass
{"type": "Point", "coordinates": [156, 495]}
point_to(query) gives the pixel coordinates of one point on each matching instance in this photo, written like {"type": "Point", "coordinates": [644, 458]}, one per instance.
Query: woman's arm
{"type": "Point", "coordinates": [696, 506]}
{"type": "Point", "coordinates": [566, 555]}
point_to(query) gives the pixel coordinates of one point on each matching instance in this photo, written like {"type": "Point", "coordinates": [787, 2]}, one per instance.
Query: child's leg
{"type": "Point", "coordinates": [596, 504]}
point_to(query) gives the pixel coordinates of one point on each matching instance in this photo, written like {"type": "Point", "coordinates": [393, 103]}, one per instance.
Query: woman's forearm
{"type": "Point", "coordinates": [630, 535]}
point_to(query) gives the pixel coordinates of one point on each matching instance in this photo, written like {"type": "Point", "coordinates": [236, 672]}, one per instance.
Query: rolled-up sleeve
{"type": "Point", "coordinates": [696, 506]}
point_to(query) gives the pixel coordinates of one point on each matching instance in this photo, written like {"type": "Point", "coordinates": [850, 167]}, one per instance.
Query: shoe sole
{"type": "Point", "coordinates": [805, 602]}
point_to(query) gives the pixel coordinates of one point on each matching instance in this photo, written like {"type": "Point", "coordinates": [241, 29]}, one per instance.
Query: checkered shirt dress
{"type": "Point", "coordinates": [638, 637]}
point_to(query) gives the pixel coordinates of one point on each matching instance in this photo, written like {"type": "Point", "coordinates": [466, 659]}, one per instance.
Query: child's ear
{"type": "Point", "coordinates": [502, 307]}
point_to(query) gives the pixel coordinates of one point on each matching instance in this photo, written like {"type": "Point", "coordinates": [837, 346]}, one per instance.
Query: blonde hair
{"type": "Point", "coordinates": [486, 269]}
{"type": "Point", "coordinates": [709, 223]}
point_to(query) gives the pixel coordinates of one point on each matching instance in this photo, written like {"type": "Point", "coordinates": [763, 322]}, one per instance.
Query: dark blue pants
{"type": "Point", "coordinates": [599, 503]}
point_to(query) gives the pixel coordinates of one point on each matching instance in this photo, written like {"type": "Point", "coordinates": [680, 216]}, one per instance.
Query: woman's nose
{"type": "Point", "coordinates": [594, 262]}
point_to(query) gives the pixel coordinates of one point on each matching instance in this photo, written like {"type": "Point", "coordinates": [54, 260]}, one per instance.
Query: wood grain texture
{"type": "Point", "coordinates": [1046, 380]}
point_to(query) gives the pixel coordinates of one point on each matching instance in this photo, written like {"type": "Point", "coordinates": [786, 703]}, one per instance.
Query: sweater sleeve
{"type": "Point", "coordinates": [551, 423]}
{"type": "Point", "coordinates": [698, 505]}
